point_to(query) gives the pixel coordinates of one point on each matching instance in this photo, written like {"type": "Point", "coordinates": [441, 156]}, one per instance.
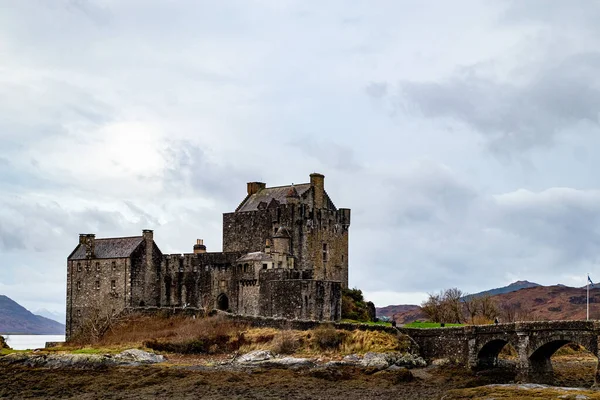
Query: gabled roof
{"type": "Point", "coordinates": [109, 248]}
{"type": "Point", "coordinates": [267, 195]}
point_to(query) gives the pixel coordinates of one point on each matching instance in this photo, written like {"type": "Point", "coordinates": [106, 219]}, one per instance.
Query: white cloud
{"type": "Point", "coordinates": [119, 116]}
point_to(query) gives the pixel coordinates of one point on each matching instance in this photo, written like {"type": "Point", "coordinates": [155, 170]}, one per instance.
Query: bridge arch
{"type": "Point", "coordinates": [540, 354]}
{"type": "Point", "coordinates": [488, 351]}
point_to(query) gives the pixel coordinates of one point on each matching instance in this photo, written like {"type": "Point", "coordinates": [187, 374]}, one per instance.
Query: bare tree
{"type": "Point", "coordinates": [452, 304]}
{"type": "Point", "coordinates": [471, 306]}
{"type": "Point", "coordinates": [432, 307]}
{"type": "Point", "coordinates": [488, 308]}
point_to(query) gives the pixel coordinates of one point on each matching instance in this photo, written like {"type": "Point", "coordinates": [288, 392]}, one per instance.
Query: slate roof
{"type": "Point", "coordinates": [110, 248]}
{"type": "Point", "coordinates": [256, 256]}
{"type": "Point", "coordinates": [279, 193]}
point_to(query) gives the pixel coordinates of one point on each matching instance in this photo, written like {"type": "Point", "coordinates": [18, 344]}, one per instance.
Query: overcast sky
{"type": "Point", "coordinates": [463, 135]}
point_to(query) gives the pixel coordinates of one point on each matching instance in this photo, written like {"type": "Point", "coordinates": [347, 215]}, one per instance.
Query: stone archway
{"type": "Point", "coordinates": [223, 302]}
{"type": "Point", "coordinates": [539, 362]}
{"type": "Point", "coordinates": [488, 355]}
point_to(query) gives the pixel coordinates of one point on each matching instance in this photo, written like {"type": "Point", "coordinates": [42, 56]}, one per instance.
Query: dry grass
{"type": "Point", "coordinates": [217, 335]}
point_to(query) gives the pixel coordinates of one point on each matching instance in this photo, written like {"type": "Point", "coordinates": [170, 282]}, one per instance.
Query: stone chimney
{"type": "Point", "coordinates": [199, 247]}
{"type": "Point", "coordinates": [89, 241]}
{"type": "Point", "coordinates": [317, 182]}
{"type": "Point", "coordinates": [255, 187]}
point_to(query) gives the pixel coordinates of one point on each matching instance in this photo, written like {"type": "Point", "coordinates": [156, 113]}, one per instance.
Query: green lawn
{"type": "Point", "coordinates": [428, 325]}
{"type": "Point", "coordinates": [382, 323]}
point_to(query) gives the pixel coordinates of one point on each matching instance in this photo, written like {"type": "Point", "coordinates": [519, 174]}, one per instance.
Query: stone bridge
{"type": "Point", "coordinates": [535, 342]}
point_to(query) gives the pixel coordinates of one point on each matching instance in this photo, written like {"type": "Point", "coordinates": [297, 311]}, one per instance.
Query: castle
{"type": "Point", "coordinates": [285, 254]}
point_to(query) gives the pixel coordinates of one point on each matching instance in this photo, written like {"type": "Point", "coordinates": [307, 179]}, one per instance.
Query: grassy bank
{"type": "Point", "coordinates": [218, 335]}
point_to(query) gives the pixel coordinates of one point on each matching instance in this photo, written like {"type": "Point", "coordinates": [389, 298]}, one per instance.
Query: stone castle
{"type": "Point", "coordinates": [285, 254]}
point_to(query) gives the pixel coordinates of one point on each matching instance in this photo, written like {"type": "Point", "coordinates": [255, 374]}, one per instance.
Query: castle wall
{"type": "Point", "coordinates": [313, 231]}
{"type": "Point", "coordinates": [294, 294]}
{"type": "Point", "coordinates": [90, 289]}
{"type": "Point", "coordinates": [197, 280]}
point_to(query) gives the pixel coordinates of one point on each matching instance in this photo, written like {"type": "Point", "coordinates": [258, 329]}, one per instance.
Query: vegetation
{"type": "Point", "coordinates": [354, 306]}
{"type": "Point", "coordinates": [419, 324]}
{"type": "Point", "coordinates": [218, 335]}
{"type": "Point", "coordinates": [454, 306]}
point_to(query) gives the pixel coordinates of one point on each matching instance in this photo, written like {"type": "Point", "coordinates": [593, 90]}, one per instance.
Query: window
{"type": "Point", "coordinates": [194, 268]}
{"type": "Point", "coordinates": [325, 252]}
{"type": "Point", "coordinates": [206, 268]}
{"type": "Point", "coordinates": [79, 313]}
{"type": "Point", "coordinates": [265, 266]}
{"type": "Point", "coordinates": [78, 267]}
{"type": "Point", "coordinates": [114, 265]}
{"type": "Point", "coordinates": [113, 285]}
{"type": "Point", "coordinates": [97, 284]}
{"type": "Point", "coordinates": [280, 264]}
{"type": "Point", "coordinates": [342, 258]}
{"type": "Point", "coordinates": [245, 267]}
{"type": "Point", "coordinates": [97, 266]}
{"type": "Point", "coordinates": [78, 285]}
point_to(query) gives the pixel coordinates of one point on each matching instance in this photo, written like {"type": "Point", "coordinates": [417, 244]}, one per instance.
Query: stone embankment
{"type": "Point", "coordinates": [131, 357]}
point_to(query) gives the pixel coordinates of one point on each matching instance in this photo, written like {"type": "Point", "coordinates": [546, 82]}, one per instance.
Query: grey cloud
{"type": "Point", "coordinates": [329, 154]}
{"type": "Point", "coordinates": [189, 166]}
{"type": "Point", "coordinates": [516, 117]}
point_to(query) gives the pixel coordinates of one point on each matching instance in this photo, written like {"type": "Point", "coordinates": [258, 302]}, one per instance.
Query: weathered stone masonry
{"type": "Point", "coordinates": [535, 342]}
{"type": "Point", "coordinates": [285, 255]}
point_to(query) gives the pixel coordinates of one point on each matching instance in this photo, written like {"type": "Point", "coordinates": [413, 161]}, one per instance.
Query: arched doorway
{"type": "Point", "coordinates": [223, 302]}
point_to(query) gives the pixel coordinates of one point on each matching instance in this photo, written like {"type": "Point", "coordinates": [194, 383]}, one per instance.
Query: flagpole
{"type": "Point", "coordinates": [587, 284]}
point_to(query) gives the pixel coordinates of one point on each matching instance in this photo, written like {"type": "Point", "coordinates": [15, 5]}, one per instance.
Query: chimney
{"type": "Point", "coordinates": [317, 182]}
{"type": "Point", "coordinates": [148, 234]}
{"type": "Point", "coordinates": [199, 247]}
{"type": "Point", "coordinates": [89, 241]}
{"type": "Point", "coordinates": [255, 187]}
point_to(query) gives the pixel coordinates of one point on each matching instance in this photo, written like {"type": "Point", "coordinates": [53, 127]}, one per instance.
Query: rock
{"type": "Point", "coordinates": [440, 362]}
{"type": "Point", "coordinates": [329, 374]}
{"type": "Point", "coordinates": [135, 356]}
{"type": "Point", "coordinates": [291, 362]}
{"type": "Point", "coordinates": [81, 361]}
{"type": "Point", "coordinates": [352, 358]}
{"type": "Point", "coordinates": [375, 360]}
{"type": "Point", "coordinates": [255, 356]}
{"type": "Point", "coordinates": [406, 360]}
{"type": "Point", "coordinates": [3, 344]}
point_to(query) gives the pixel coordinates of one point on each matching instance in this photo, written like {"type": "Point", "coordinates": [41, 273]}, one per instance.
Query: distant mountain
{"type": "Point", "coordinates": [513, 287]}
{"type": "Point", "coordinates": [17, 319]}
{"type": "Point", "coordinates": [58, 317]}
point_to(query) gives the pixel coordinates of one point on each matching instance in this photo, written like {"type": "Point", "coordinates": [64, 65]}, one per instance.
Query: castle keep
{"type": "Point", "coordinates": [285, 254]}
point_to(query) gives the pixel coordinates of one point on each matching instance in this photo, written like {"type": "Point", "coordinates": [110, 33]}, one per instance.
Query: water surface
{"type": "Point", "coordinates": [25, 342]}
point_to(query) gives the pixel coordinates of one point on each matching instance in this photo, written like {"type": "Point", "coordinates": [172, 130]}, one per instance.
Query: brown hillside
{"type": "Point", "coordinates": [537, 303]}
{"type": "Point", "coordinates": [553, 302]}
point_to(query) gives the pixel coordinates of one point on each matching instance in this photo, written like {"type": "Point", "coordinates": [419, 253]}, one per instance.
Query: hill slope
{"type": "Point", "coordinates": [513, 287]}
{"type": "Point", "coordinates": [17, 319]}
{"type": "Point", "coordinates": [535, 302]}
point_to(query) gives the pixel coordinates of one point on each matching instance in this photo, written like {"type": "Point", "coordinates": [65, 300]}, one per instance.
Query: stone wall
{"type": "Point", "coordinates": [94, 286]}
{"type": "Point", "coordinates": [319, 237]}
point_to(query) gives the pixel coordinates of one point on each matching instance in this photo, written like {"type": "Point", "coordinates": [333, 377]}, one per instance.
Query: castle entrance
{"type": "Point", "coordinates": [223, 302]}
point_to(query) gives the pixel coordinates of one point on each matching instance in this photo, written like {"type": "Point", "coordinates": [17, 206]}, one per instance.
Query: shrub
{"type": "Point", "coordinates": [326, 337]}
{"type": "Point", "coordinates": [285, 342]}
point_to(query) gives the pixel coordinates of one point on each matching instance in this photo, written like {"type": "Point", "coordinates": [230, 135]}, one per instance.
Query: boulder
{"type": "Point", "coordinates": [135, 356]}
{"type": "Point", "coordinates": [255, 356]}
{"type": "Point", "coordinates": [375, 360]}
